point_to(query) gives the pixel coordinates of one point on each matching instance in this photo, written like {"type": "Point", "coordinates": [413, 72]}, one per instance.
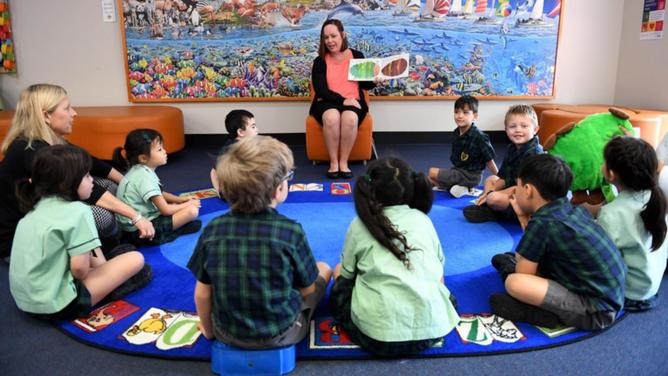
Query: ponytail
{"type": "Point", "coordinates": [26, 195]}
{"type": "Point", "coordinates": [119, 162]}
{"type": "Point", "coordinates": [635, 163]}
{"type": "Point", "coordinates": [654, 217]}
{"type": "Point", "coordinates": [423, 195]}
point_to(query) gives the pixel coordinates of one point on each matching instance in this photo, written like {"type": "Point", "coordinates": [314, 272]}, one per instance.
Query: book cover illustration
{"type": "Point", "coordinates": [395, 66]}
{"type": "Point", "coordinates": [104, 316]}
{"type": "Point", "coordinates": [168, 329]}
{"type": "Point", "coordinates": [310, 187]}
{"type": "Point", "coordinates": [201, 194]}
{"type": "Point", "coordinates": [340, 189]}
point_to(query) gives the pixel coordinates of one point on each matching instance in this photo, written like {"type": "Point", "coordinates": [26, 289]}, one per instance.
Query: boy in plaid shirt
{"type": "Point", "coordinates": [566, 269]}
{"type": "Point", "coordinates": [257, 281]}
{"type": "Point", "coordinates": [521, 125]}
{"type": "Point", "coordinates": [471, 152]}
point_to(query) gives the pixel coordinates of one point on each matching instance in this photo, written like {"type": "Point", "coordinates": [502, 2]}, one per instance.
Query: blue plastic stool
{"type": "Point", "coordinates": [229, 360]}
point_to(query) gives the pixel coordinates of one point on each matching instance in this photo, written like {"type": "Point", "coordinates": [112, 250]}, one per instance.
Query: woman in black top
{"type": "Point", "coordinates": [338, 104]}
{"type": "Point", "coordinates": [43, 117]}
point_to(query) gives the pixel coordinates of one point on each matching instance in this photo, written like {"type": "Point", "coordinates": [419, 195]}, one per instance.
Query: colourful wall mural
{"type": "Point", "coordinates": [217, 50]}
{"type": "Point", "coordinates": [8, 62]}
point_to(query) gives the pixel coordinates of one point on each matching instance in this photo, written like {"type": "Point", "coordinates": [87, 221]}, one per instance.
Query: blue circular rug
{"type": "Point", "coordinates": [160, 319]}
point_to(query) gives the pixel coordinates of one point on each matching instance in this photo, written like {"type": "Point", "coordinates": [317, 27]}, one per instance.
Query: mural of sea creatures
{"type": "Point", "coordinates": [444, 35]}
{"type": "Point", "coordinates": [285, 49]}
{"type": "Point", "coordinates": [345, 7]}
{"type": "Point", "coordinates": [444, 47]}
{"type": "Point", "coordinates": [293, 14]}
{"type": "Point", "coordinates": [421, 42]}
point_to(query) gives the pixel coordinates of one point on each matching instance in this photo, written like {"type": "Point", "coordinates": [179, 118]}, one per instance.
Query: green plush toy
{"type": "Point", "coordinates": [581, 146]}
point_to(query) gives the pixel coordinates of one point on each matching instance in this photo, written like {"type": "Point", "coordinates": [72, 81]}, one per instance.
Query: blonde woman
{"type": "Point", "coordinates": [44, 117]}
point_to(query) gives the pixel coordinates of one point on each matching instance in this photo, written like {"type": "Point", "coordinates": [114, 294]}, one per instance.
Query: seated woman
{"type": "Point", "coordinates": [44, 117]}
{"type": "Point", "coordinates": [338, 104]}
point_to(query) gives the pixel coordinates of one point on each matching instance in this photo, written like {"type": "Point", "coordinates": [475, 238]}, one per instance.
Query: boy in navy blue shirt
{"type": "Point", "coordinates": [471, 152]}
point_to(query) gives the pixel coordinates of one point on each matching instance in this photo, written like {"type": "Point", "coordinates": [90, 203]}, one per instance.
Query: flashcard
{"type": "Point", "coordinates": [183, 332]}
{"type": "Point", "coordinates": [502, 330]}
{"type": "Point", "coordinates": [201, 194]}
{"type": "Point", "coordinates": [105, 316]}
{"type": "Point", "coordinates": [298, 187]}
{"type": "Point", "coordinates": [150, 326]}
{"type": "Point", "coordinates": [340, 188]}
{"type": "Point", "coordinates": [472, 330]}
{"type": "Point", "coordinates": [311, 187]}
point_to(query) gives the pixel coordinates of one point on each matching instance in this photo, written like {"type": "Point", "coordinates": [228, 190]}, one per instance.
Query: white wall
{"type": "Point", "coordinates": [642, 77]}
{"type": "Point", "coordinates": [65, 42]}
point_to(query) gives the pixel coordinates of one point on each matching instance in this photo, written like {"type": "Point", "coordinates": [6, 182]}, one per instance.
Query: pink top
{"type": "Point", "coordinates": [337, 76]}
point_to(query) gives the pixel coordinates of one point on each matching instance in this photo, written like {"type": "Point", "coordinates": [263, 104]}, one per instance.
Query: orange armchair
{"type": "Point", "coordinates": [363, 149]}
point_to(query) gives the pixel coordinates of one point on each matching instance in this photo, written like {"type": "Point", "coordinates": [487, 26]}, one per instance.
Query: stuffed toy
{"type": "Point", "coordinates": [581, 147]}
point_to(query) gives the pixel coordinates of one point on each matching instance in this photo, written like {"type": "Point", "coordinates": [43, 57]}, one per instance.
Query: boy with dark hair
{"type": "Point", "coordinates": [239, 124]}
{"type": "Point", "coordinates": [566, 269]}
{"type": "Point", "coordinates": [471, 152]}
{"type": "Point", "coordinates": [258, 284]}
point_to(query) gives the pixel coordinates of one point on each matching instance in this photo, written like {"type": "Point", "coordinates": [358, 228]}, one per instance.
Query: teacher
{"type": "Point", "coordinates": [338, 104]}
{"type": "Point", "coordinates": [44, 117]}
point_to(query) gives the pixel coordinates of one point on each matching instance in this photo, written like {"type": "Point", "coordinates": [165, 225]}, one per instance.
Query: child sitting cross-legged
{"type": "Point", "coordinates": [566, 269]}
{"type": "Point", "coordinates": [636, 219]}
{"type": "Point", "coordinates": [521, 127]}
{"type": "Point", "coordinates": [140, 188]}
{"type": "Point", "coordinates": [258, 283]}
{"type": "Point", "coordinates": [389, 293]}
{"type": "Point", "coordinates": [57, 270]}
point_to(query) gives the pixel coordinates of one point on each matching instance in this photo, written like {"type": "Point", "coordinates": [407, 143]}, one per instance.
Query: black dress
{"type": "Point", "coordinates": [325, 99]}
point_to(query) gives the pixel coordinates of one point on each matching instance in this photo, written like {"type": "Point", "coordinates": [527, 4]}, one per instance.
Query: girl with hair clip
{"type": "Point", "coordinates": [389, 293]}
{"type": "Point", "coordinates": [636, 219]}
{"type": "Point", "coordinates": [44, 117]}
{"type": "Point", "coordinates": [170, 215]}
{"type": "Point", "coordinates": [58, 270]}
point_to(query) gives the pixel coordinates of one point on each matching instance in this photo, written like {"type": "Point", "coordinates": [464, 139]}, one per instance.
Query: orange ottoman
{"type": "Point", "coordinates": [100, 130]}
{"type": "Point", "coordinates": [554, 116]}
{"type": "Point", "coordinates": [316, 150]}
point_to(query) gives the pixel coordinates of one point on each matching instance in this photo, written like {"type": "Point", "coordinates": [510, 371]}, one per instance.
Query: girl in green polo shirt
{"type": "Point", "coordinates": [389, 293]}
{"type": "Point", "coordinates": [57, 270]}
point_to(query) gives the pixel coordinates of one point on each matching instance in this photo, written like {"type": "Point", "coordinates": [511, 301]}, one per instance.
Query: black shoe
{"type": "Point", "coordinates": [190, 227]}
{"type": "Point", "coordinates": [479, 214]}
{"type": "Point", "coordinates": [134, 283]}
{"type": "Point", "coordinates": [505, 264]}
{"type": "Point", "coordinates": [346, 174]}
{"type": "Point", "coordinates": [512, 309]}
{"type": "Point", "coordinates": [333, 174]}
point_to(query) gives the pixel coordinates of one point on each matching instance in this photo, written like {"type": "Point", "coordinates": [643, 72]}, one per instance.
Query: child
{"type": "Point", "coordinates": [388, 292]}
{"type": "Point", "coordinates": [636, 219]}
{"type": "Point", "coordinates": [566, 269]}
{"type": "Point", "coordinates": [257, 281]}
{"type": "Point", "coordinates": [521, 127]}
{"type": "Point", "coordinates": [239, 124]}
{"type": "Point", "coordinates": [471, 152]}
{"type": "Point", "coordinates": [140, 188]}
{"type": "Point", "coordinates": [57, 269]}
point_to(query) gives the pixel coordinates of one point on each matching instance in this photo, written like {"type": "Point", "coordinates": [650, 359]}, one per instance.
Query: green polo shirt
{"type": "Point", "coordinates": [391, 303]}
{"type": "Point", "coordinates": [46, 238]}
{"type": "Point", "coordinates": [136, 189]}
{"type": "Point", "coordinates": [621, 219]}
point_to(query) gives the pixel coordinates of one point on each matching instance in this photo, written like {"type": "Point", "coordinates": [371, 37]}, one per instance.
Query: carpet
{"type": "Point", "coordinates": [160, 320]}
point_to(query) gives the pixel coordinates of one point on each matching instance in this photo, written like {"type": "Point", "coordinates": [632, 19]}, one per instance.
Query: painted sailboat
{"type": "Point", "coordinates": [496, 13]}
{"type": "Point", "coordinates": [555, 11]}
{"type": "Point", "coordinates": [435, 10]}
{"type": "Point", "coordinates": [467, 12]}
{"type": "Point", "coordinates": [455, 9]}
{"type": "Point", "coordinates": [536, 17]}
{"type": "Point", "coordinates": [406, 7]}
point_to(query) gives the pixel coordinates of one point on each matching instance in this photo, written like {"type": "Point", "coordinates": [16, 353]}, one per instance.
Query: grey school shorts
{"type": "Point", "coordinates": [447, 177]}
{"type": "Point", "coordinates": [575, 310]}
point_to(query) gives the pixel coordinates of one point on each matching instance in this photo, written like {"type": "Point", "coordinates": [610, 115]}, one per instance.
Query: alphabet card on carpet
{"type": "Point", "coordinates": [485, 329]}
{"type": "Point", "coordinates": [105, 316]}
{"type": "Point", "coordinates": [168, 329]}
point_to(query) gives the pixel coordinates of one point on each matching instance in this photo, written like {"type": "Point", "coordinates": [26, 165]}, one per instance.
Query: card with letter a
{"type": "Point", "coordinates": [340, 188]}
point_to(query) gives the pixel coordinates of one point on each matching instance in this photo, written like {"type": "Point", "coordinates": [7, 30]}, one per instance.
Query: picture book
{"type": "Point", "coordinates": [340, 189]}
{"type": "Point", "coordinates": [104, 316]}
{"type": "Point", "coordinates": [166, 328]}
{"type": "Point", "coordinates": [201, 194]}
{"type": "Point", "coordinates": [556, 332]}
{"type": "Point", "coordinates": [395, 66]}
